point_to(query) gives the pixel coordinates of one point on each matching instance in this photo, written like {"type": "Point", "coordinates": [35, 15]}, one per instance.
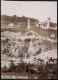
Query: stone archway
{"type": "Point", "coordinates": [30, 33]}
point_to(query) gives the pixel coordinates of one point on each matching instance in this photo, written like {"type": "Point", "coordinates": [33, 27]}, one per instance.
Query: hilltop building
{"type": "Point", "coordinates": [38, 24]}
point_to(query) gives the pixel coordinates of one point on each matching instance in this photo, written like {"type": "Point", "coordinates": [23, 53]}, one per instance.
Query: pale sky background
{"type": "Point", "coordinates": [35, 9]}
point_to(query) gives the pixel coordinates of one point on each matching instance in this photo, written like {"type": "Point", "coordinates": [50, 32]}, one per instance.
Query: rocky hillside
{"type": "Point", "coordinates": [15, 46]}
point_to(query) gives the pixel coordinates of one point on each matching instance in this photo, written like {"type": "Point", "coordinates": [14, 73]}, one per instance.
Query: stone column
{"type": "Point", "coordinates": [48, 23]}
{"type": "Point", "coordinates": [28, 23]}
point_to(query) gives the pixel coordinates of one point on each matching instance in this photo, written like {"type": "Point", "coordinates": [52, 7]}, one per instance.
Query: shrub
{"type": "Point", "coordinates": [4, 69]}
{"type": "Point", "coordinates": [12, 67]}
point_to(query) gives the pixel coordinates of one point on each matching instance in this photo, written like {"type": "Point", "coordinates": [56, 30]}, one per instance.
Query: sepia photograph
{"type": "Point", "coordinates": [28, 39]}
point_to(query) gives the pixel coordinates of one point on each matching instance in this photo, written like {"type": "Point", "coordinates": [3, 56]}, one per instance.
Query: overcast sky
{"type": "Point", "coordinates": [34, 9]}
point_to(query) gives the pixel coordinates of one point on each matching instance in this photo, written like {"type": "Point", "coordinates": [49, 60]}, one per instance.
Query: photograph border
{"type": "Point", "coordinates": [0, 37]}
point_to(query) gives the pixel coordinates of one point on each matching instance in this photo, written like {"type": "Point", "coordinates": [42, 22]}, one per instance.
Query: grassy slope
{"type": "Point", "coordinates": [42, 32]}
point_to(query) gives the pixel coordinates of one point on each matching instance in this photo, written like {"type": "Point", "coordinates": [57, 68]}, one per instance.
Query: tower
{"type": "Point", "coordinates": [28, 23]}
{"type": "Point", "coordinates": [48, 23]}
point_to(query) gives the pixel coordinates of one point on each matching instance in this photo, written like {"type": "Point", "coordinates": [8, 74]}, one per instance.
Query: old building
{"type": "Point", "coordinates": [43, 25]}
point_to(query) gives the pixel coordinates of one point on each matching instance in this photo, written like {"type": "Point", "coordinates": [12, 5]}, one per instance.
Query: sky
{"type": "Point", "coordinates": [40, 10]}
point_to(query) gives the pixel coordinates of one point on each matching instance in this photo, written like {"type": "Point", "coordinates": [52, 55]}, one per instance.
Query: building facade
{"type": "Point", "coordinates": [43, 25]}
